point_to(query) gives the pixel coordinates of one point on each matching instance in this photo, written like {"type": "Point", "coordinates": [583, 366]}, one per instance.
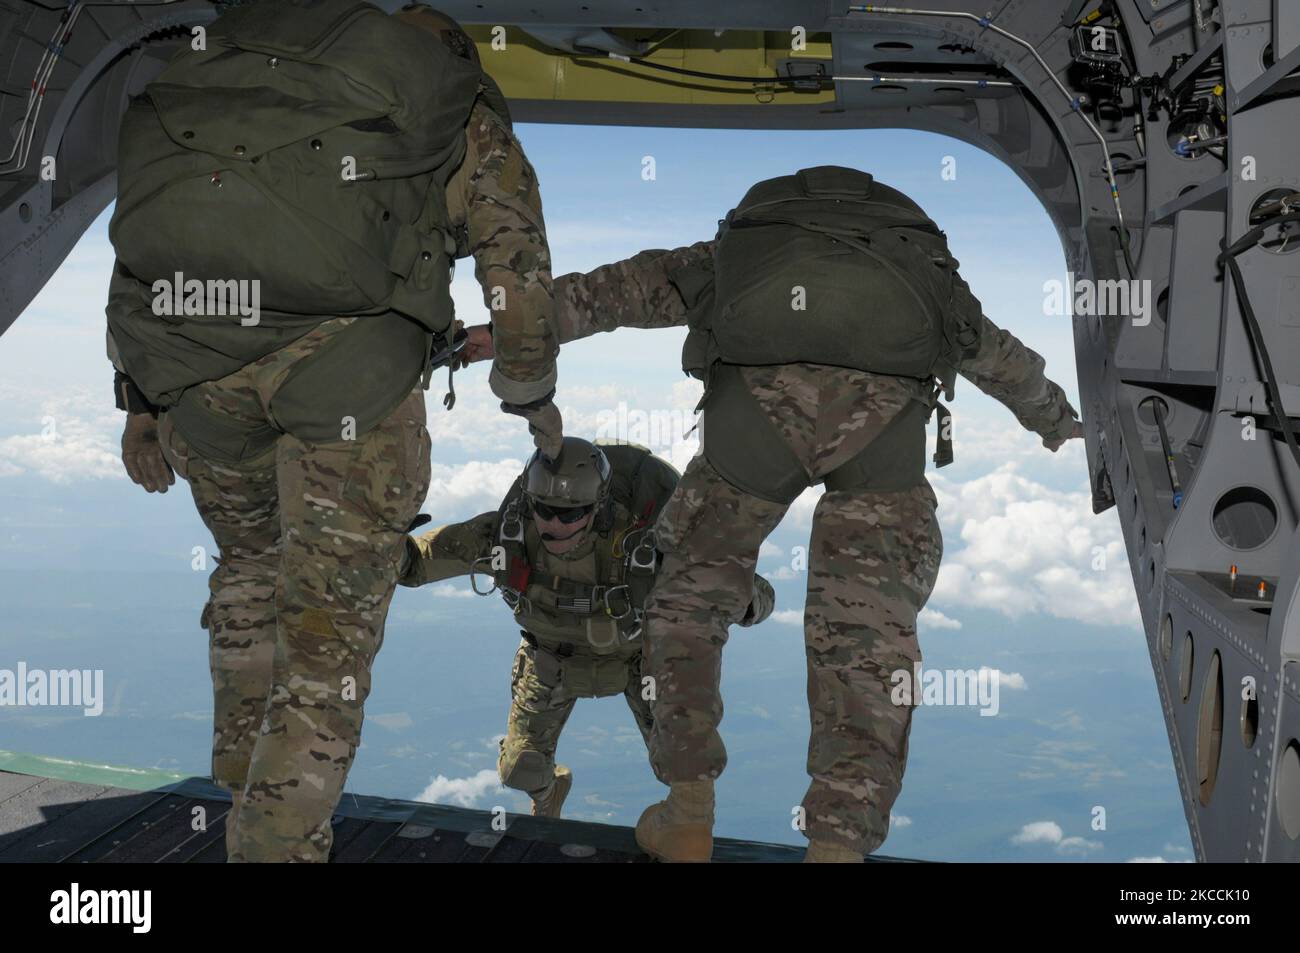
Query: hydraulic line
{"type": "Point", "coordinates": [22, 146]}
{"type": "Point", "coordinates": [1158, 410]}
{"type": "Point", "coordinates": [1076, 103]}
{"type": "Point", "coordinates": [821, 80]}
{"type": "Point", "coordinates": [36, 94]}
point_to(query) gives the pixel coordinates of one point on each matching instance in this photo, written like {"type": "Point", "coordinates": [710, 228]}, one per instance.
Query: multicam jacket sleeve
{"type": "Point", "coordinates": [448, 551]}
{"type": "Point", "coordinates": [634, 293]}
{"type": "Point", "coordinates": [495, 196]}
{"type": "Point", "coordinates": [1013, 374]}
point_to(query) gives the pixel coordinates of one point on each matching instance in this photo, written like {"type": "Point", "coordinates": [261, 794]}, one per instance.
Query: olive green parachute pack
{"type": "Point", "coordinates": [604, 617]}
{"type": "Point", "coordinates": [828, 266]}
{"type": "Point", "coordinates": [306, 147]}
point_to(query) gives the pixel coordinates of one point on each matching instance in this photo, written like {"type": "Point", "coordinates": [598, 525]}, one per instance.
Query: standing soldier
{"type": "Point", "coordinates": [325, 162]}
{"type": "Point", "coordinates": [821, 319]}
{"type": "Point", "coordinates": [572, 553]}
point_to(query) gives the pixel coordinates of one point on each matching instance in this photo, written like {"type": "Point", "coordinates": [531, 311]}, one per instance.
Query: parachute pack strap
{"type": "Point", "coordinates": [450, 246]}
{"type": "Point", "coordinates": [496, 101]}
{"type": "Point", "coordinates": [510, 537]}
{"type": "Point", "coordinates": [427, 374]}
{"type": "Point", "coordinates": [449, 401]}
{"type": "Point", "coordinates": [943, 439]}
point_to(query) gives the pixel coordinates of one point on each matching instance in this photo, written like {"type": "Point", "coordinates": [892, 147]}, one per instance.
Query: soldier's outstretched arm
{"type": "Point", "coordinates": [639, 292]}
{"type": "Point", "coordinates": [1004, 368]}
{"type": "Point", "coordinates": [512, 261]}
{"type": "Point", "coordinates": [448, 551]}
{"type": "Point", "coordinates": [761, 606]}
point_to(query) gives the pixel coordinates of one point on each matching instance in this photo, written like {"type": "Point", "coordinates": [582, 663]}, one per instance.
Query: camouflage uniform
{"type": "Point", "coordinates": [873, 559]}
{"type": "Point", "coordinates": [494, 201]}
{"type": "Point", "coordinates": [310, 534]}
{"type": "Point", "coordinates": [552, 670]}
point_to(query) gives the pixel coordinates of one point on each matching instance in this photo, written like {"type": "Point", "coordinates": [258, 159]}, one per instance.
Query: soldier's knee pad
{"type": "Point", "coordinates": [524, 769]}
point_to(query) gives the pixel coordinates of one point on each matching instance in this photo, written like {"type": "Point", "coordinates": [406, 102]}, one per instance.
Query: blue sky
{"type": "Point", "coordinates": [1033, 585]}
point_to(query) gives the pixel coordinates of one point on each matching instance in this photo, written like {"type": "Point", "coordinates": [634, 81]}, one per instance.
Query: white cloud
{"type": "Point", "coordinates": [1146, 860]}
{"type": "Point", "coordinates": [1039, 832]}
{"type": "Point", "coordinates": [1077, 845]}
{"type": "Point", "coordinates": [445, 590]}
{"type": "Point", "coordinates": [1013, 680]}
{"type": "Point", "coordinates": [463, 792]}
{"type": "Point", "coordinates": [934, 619]}
{"type": "Point", "coordinates": [899, 820]}
{"type": "Point", "coordinates": [394, 722]}
{"type": "Point", "coordinates": [788, 616]}
{"type": "Point", "coordinates": [71, 436]}
{"type": "Point", "coordinates": [1030, 549]}
{"type": "Point", "coordinates": [993, 437]}
{"type": "Point", "coordinates": [1049, 832]}
{"type": "Point", "coordinates": [460, 491]}
{"type": "Point", "coordinates": [69, 457]}
{"type": "Point", "coordinates": [800, 514]}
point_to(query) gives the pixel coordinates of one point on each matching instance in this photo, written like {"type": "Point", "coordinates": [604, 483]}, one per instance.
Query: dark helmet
{"type": "Point", "coordinates": [579, 478]}
{"type": "Point", "coordinates": [451, 33]}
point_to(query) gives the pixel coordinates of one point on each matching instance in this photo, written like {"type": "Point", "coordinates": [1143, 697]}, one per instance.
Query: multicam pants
{"type": "Point", "coordinates": [873, 561]}
{"type": "Point", "coordinates": [309, 537]}
{"type": "Point", "coordinates": [539, 708]}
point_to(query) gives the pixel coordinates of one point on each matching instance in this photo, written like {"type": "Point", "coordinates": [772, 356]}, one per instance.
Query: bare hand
{"type": "Point", "coordinates": [479, 346]}
{"type": "Point", "coordinates": [142, 454]}
{"type": "Point", "coordinates": [1057, 444]}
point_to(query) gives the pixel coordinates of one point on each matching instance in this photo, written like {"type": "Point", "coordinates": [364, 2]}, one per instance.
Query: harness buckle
{"type": "Point", "coordinates": [512, 526]}
{"type": "Point", "coordinates": [638, 617]}
{"type": "Point", "coordinates": [517, 601]}
{"type": "Point", "coordinates": [644, 554]}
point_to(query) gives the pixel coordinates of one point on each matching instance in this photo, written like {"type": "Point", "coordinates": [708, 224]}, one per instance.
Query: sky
{"type": "Point", "coordinates": [1075, 765]}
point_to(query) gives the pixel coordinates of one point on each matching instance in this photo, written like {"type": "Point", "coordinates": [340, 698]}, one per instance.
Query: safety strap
{"type": "Point", "coordinates": [943, 442]}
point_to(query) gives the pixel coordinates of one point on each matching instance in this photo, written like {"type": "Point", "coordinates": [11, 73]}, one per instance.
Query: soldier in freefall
{"type": "Point", "coordinates": [572, 553]}
{"type": "Point", "coordinates": [826, 318]}
{"type": "Point", "coordinates": [301, 429]}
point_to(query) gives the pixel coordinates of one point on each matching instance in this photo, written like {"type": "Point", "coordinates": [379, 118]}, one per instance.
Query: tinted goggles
{"type": "Point", "coordinates": [565, 514]}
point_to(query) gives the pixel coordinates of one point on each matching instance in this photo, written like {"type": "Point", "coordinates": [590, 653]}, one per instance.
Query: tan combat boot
{"type": "Point", "coordinates": [549, 802]}
{"type": "Point", "coordinates": [827, 852]}
{"type": "Point", "coordinates": [680, 829]}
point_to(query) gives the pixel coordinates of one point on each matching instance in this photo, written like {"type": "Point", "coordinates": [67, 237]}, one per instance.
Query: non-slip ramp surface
{"type": "Point", "coordinates": [61, 820]}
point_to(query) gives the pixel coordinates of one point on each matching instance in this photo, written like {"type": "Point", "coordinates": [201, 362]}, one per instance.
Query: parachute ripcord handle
{"type": "Point", "coordinates": [1271, 390]}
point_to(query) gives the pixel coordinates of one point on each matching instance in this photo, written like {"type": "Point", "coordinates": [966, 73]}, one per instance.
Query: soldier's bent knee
{"type": "Point", "coordinates": [525, 770]}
